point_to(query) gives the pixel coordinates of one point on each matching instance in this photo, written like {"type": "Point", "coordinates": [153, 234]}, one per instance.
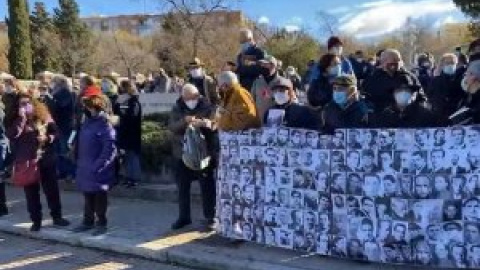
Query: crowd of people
{"type": "Point", "coordinates": [54, 131]}
{"type": "Point", "coordinates": [342, 92]}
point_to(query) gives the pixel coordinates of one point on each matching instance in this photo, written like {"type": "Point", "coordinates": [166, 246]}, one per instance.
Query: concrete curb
{"type": "Point", "coordinates": [186, 255]}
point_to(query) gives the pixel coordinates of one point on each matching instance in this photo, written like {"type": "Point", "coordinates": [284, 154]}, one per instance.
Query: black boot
{"type": "Point", "coordinates": [180, 223]}
{"type": "Point", "coordinates": [36, 226]}
{"type": "Point", "coordinates": [3, 199]}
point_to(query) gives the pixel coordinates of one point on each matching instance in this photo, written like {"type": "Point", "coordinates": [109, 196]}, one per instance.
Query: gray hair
{"type": "Point", "coordinates": [388, 53]}
{"type": "Point", "coordinates": [61, 81]}
{"type": "Point", "coordinates": [227, 78]}
{"type": "Point", "coordinates": [190, 89]}
{"type": "Point", "coordinates": [247, 33]}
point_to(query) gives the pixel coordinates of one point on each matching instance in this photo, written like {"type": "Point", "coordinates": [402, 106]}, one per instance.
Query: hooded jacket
{"type": "Point", "coordinates": [96, 154]}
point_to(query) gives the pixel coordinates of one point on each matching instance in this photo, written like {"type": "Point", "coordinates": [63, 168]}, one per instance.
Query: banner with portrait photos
{"type": "Point", "coordinates": [393, 196]}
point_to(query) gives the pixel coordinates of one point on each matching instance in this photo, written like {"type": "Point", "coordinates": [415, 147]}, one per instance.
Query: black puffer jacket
{"type": "Point", "coordinates": [320, 92]}
{"type": "Point", "coordinates": [445, 93]}
{"type": "Point", "coordinates": [355, 115]}
{"type": "Point", "coordinates": [416, 115]}
{"type": "Point", "coordinates": [379, 86]}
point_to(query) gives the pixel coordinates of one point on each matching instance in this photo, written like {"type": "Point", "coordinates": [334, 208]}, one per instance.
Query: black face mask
{"type": "Point", "coordinates": [265, 72]}
{"type": "Point", "coordinates": [87, 113]}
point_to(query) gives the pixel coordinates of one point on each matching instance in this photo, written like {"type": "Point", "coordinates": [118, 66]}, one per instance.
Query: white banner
{"type": "Point", "coordinates": [401, 196]}
{"type": "Point", "coordinates": [157, 102]}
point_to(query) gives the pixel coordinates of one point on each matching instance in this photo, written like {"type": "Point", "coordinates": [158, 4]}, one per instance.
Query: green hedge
{"type": "Point", "coordinates": [156, 143]}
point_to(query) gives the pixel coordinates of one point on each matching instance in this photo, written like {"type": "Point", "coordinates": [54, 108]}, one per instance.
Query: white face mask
{"type": "Point", "coordinates": [281, 98]}
{"type": "Point", "coordinates": [403, 98]}
{"type": "Point", "coordinates": [196, 73]}
{"type": "Point", "coordinates": [337, 50]}
{"type": "Point", "coordinates": [192, 104]}
{"type": "Point", "coordinates": [336, 71]}
{"type": "Point", "coordinates": [449, 69]}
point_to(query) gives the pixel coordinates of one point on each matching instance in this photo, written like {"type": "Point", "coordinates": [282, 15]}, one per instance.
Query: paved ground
{"type": "Point", "coordinates": [141, 228]}
{"type": "Point", "coordinates": [28, 254]}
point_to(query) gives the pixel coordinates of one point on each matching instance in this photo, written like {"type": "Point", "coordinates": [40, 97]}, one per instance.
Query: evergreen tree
{"type": "Point", "coordinates": [74, 35]}
{"type": "Point", "coordinates": [43, 33]}
{"type": "Point", "coordinates": [20, 51]}
{"type": "Point", "coordinates": [472, 9]}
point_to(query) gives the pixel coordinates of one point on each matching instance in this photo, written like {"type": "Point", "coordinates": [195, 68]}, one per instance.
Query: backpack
{"type": "Point", "coordinates": [195, 151]}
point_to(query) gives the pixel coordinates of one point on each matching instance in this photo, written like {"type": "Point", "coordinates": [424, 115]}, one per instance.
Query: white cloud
{"type": "Point", "coordinates": [375, 4]}
{"type": "Point", "coordinates": [339, 10]}
{"type": "Point", "coordinates": [264, 20]}
{"type": "Point", "coordinates": [292, 28]}
{"type": "Point", "coordinates": [294, 24]}
{"type": "Point", "coordinates": [382, 17]}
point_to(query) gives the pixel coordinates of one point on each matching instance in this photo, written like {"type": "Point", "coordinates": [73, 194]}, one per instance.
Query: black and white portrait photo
{"type": "Point", "coordinates": [404, 196]}
{"type": "Point", "coordinates": [297, 139]}
{"type": "Point", "coordinates": [452, 210]}
{"type": "Point", "coordinates": [283, 137]}
{"type": "Point", "coordinates": [355, 139]}
{"type": "Point", "coordinates": [338, 140]}
{"type": "Point", "coordinates": [312, 140]}
{"type": "Point", "coordinates": [386, 140]}
{"type": "Point", "coordinates": [423, 139]}
{"type": "Point", "coordinates": [457, 138]}
{"type": "Point", "coordinates": [269, 137]}
{"type": "Point", "coordinates": [285, 238]}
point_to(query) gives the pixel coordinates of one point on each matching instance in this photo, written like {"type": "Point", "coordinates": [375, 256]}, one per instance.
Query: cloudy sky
{"type": "Point", "coordinates": [362, 18]}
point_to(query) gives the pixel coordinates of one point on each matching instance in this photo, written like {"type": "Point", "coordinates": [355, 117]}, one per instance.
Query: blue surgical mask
{"type": "Point", "coordinates": [335, 71]}
{"type": "Point", "coordinates": [245, 46]}
{"type": "Point", "coordinates": [449, 69]}
{"type": "Point", "coordinates": [403, 98]}
{"type": "Point", "coordinates": [340, 98]}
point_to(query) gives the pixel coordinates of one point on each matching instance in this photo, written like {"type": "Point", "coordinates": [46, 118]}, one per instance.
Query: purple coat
{"type": "Point", "coordinates": [96, 153]}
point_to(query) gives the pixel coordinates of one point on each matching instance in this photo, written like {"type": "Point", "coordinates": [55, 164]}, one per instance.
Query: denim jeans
{"type": "Point", "coordinates": [4, 149]}
{"type": "Point", "coordinates": [65, 166]}
{"type": "Point", "coordinates": [132, 162]}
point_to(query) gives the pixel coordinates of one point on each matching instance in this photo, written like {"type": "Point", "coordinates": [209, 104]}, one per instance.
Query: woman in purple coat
{"type": "Point", "coordinates": [96, 153]}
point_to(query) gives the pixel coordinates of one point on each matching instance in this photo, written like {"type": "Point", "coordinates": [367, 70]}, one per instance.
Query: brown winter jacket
{"type": "Point", "coordinates": [238, 111]}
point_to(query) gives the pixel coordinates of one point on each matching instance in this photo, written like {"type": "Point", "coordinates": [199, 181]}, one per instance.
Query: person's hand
{"type": "Point", "coordinates": [22, 113]}
{"type": "Point", "coordinates": [122, 151]}
{"type": "Point", "coordinates": [189, 119]}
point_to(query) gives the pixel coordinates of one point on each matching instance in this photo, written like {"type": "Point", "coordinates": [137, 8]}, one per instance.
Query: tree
{"type": "Point", "coordinates": [123, 53]}
{"type": "Point", "coordinates": [75, 37]}
{"type": "Point", "coordinates": [471, 8]}
{"type": "Point", "coordinates": [193, 16]}
{"type": "Point", "coordinates": [294, 49]}
{"type": "Point", "coordinates": [20, 51]}
{"type": "Point", "coordinates": [328, 23]}
{"type": "Point", "coordinates": [3, 52]}
{"type": "Point", "coordinates": [45, 47]}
